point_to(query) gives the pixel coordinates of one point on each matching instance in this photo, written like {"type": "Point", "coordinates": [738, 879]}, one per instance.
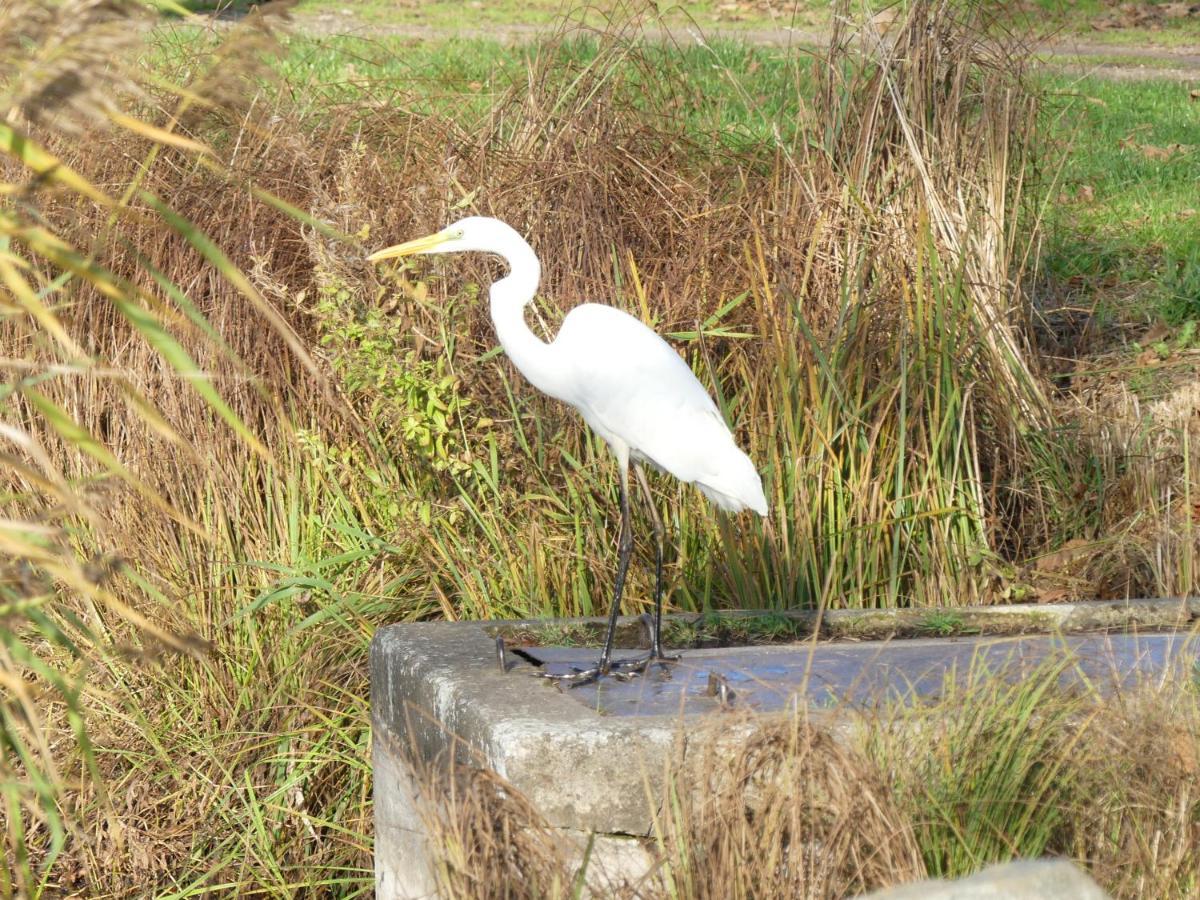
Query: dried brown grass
{"type": "Point", "coordinates": [1138, 814]}
{"type": "Point", "coordinates": [935, 136]}
{"type": "Point", "coordinates": [1143, 539]}
{"type": "Point", "coordinates": [492, 843]}
{"type": "Point", "coordinates": [783, 809]}
{"type": "Point", "coordinates": [791, 812]}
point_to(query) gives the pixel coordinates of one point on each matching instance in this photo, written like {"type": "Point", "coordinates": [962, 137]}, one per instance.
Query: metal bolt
{"type": "Point", "coordinates": [719, 687]}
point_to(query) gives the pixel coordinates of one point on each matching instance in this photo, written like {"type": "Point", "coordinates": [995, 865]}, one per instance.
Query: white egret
{"type": "Point", "coordinates": [629, 386]}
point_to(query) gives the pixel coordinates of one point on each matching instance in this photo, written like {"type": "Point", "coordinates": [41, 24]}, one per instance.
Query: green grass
{"type": "Point", "coordinates": [1181, 35]}
{"type": "Point", "coordinates": [739, 96]}
{"type": "Point", "coordinates": [1125, 221]}
{"type": "Point", "coordinates": [1097, 63]}
{"type": "Point", "coordinates": [943, 624]}
{"type": "Point", "coordinates": [1053, 18]}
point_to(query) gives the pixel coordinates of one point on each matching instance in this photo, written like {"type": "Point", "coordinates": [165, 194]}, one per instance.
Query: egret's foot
{"type": "Point", "coordinates": [652, 638]}
{"type": "Point", "coordinates": [575, 677]}
{"type": "Point", "coordinates": [639, 665]}
{"type": "Point", "coordinates": [618, 669]}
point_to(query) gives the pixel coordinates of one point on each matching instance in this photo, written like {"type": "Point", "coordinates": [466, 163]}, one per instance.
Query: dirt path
{"type": "Point", "coordinates": [1122, 63]}
{"type": "Point", "coordinates": [1072, 53]}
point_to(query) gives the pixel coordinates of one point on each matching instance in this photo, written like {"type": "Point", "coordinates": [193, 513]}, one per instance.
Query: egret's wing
{"type": "Point", "coordinates": [639, 395]}
{"type": "Point", "coordinates": [630, 384]}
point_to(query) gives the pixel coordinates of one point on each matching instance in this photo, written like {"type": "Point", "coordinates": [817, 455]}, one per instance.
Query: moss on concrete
{"type": "Point", "coordinates": [741, 628]}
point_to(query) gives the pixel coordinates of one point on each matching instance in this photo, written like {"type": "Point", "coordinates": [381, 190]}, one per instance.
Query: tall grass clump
{"type": "Point", "coordinates": [1136, 820]}
{"type": "Point", "coordinates": [994, 777]}
{"type": "Point", "coordinates": [790, 812]}
{"type": "Point", "coordinates": [1142, 538]}
{"type": "Point", "coordinates": [180, 578]}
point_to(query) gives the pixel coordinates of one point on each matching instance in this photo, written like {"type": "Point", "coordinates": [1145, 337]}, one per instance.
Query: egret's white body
{"type": "Point", "coordinates": [641, 397]}
{"type": "Point", "coordinates": [626, 381]}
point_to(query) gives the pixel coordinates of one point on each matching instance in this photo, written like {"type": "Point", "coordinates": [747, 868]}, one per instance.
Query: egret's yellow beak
{"type": "Point", "coordinates": [408, 248]}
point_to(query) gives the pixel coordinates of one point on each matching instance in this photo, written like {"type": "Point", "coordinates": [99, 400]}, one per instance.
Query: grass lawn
{"type": "Point", "coordinates": [734, 96]}
{"type": "Point", "coordinates": [454, 14]}
{"type": "Point", "coordinates": [1095, 21]}
{"type": "Point", "coordinates": [1126, 214]}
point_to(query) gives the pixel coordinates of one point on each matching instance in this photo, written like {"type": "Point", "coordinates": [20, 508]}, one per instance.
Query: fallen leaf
{"type": "Point", "coordinates": [1185, 213]}
{"type": "Point", "coordinates": [1096, 101]}
{"type": "Point", "coordinates": [1150, 151]}
{"type": "Point", "coordinates": [1055, 595]}
{"type": "Point", "coordinates": [1087, 193]}
{"type": "Point", "coordinates": [1195, 95]}
{"type": "Point", "coordinates": [1157, 332]}
{"type": "Point", "coordinates": [1069, 554]}
{"type": "Point", "coordinates": [1130, 140]}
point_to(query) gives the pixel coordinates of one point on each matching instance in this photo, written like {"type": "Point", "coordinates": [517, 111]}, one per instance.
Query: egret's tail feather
{"type": "Point", "coordinates": [738, 486]}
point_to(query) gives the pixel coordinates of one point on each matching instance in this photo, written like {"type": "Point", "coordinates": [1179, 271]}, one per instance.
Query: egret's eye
{"type": "Point", "coordinates": [460, 234]}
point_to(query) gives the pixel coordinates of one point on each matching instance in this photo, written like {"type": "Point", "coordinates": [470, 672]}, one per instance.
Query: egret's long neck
{"type": "Point", "coordinates": [509, 297]}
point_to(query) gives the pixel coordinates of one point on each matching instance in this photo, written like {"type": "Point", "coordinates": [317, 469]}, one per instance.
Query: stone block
{"type": "Point", "coordinates": [1042, 879]}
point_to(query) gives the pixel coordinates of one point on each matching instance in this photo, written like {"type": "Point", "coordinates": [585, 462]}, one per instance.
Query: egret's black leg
{"type": "Point", "coordinates": [640, 664]}
{"type": "Point", "coordinates": [625, 551]}
{"type": "Point", "coordinates": [656, 651]}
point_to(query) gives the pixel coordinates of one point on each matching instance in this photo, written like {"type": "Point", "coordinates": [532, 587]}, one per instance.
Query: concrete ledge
{"type": "Point", "coordinates": [438, 698]}
{"type": "Point", "coordinates": [436, 691]}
